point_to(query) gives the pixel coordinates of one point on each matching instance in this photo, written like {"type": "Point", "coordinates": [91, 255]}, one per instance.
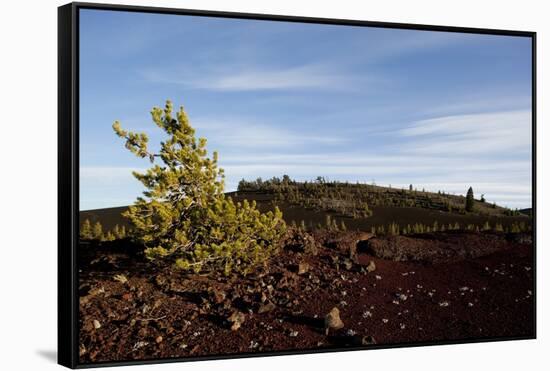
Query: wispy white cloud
{"type": "Point", "coordinates": [467, 125]}
{"type": "Point", "coordinates": [247, 73]}
{"type": "Point", "coordinates": [507, 132]}
{"type": "Point", "coordinates": [365, 157]}
{"type": "Point", "coordinates": [254, 77]}
{"type": "Point", "coordinates": [243, 132]}
{"type": "Point", "coordinates": [478, 102]}
{"type": "Point", "coordinates": [395, 43]}
{"type": "Point", "coordinates": [414, 168]}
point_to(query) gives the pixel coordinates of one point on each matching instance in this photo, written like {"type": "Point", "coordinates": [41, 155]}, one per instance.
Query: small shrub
{"type": "Point", "coordinates": [86, 230]}
{"type": "Point", "coordinates": [97, 232]}
{"type": "Point", "coordinates": [109, 236]}
{"type": "Point", "coordinates": [119, 232]}
{"type": "Point", "coordinates": [393, 229]}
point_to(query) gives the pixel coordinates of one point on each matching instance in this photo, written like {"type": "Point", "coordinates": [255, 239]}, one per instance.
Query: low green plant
{"type": "Point", "coordinates": [119, 232]}
{"type": "Point", "coordinates": [97, 231]}
{"type": "Point", "coordinates": [109, 236]}
{"type": "Point", "coordinates": [86, 230]}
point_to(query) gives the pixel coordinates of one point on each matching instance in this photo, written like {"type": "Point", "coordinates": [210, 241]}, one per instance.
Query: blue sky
{"type": "Point", "coordinates": [440, 110]}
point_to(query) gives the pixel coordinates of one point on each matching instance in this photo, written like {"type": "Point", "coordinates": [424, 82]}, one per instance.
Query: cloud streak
{"type": "Point", "coordinates": [253, 78]}
{"type": "Point", "coordinates": [237, 133]}
{"type": "Point", "coordinates": [471, 134]}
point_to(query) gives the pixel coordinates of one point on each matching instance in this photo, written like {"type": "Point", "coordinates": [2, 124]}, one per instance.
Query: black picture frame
{"type": "Point", "coordinates": [68, 168]}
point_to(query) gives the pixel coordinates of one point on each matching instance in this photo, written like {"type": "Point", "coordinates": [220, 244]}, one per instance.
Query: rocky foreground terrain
{"type": "Point", "coordinates": [323, 291]}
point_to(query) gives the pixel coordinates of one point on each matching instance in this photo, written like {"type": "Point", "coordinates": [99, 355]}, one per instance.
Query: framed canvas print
{"type": "Point", "coordinates": [237, 185]}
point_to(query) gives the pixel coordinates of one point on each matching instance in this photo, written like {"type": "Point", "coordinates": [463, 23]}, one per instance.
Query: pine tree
{"type": "Point", "coordinates": [470, 200]}
{"type": "Point", "coordinates": [109, 236]}
{"type": "Point", "coordinates": [393, 229]}
{"type": "Point", "coordinates": [119, 232]}
{"type": "Point", "coordinates": [116, 231]}
{"type": "Point", "coordinates": [97, 232]}
{"type": "Point", "coordinates": [184, 216]}
{"type": "Point", "coordinates": [86, 230]}
{"type": "Point", "coordinates": [122, 233]}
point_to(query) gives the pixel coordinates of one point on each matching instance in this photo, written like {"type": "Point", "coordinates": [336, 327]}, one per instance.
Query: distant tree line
{"type": "Point", "coordinates": [395, 229]}
{"type": "Point", "coordinates": [356, 200]}
{"type": "Point", "coordinates": [95, 232]}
